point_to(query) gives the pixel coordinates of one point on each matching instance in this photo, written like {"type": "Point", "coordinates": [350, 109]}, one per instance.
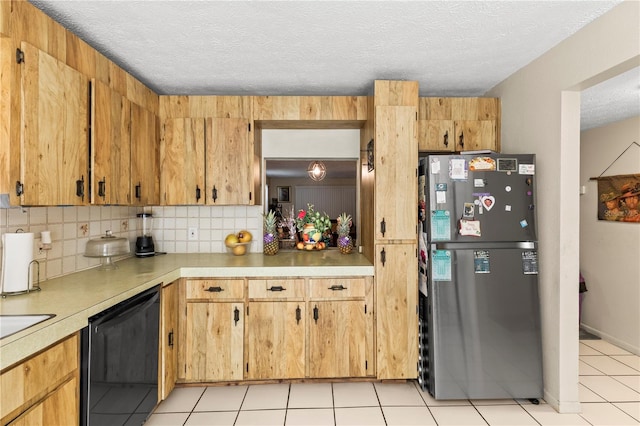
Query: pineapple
{"type": "Point", "coordinates": [345, 245]}
{"type": "Point", "coordinates": [270, 235]}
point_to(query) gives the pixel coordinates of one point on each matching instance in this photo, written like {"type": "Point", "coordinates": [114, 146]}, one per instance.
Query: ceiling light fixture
{"type": "Point", "coordinates": [317, 170]}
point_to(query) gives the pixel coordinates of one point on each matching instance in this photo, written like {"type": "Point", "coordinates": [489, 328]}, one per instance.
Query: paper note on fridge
{"type": "Point", "coordinates": [470, 227]}
{"type": "Point", "coordinates": [441, 265]}
{"type": "Point", "coordinates": [440, 225]}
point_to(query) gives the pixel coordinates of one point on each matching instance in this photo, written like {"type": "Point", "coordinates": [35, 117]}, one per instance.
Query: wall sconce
{"type": "Point", "coordinates": [317, 170]}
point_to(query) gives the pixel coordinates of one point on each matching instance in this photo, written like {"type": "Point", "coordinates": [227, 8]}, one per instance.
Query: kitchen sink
{"type": "Point", "coordinates": [10, 324]}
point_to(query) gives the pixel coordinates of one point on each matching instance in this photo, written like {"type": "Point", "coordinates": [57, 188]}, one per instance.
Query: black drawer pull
{"type": "Point", "coordinates": [298, 315]}
{"type": "Point", "coordinates": [337, 287]}
{"type": "Point", "coordinates": [215, 289]}
{"type": "Point", "coordinates": [276, 288]}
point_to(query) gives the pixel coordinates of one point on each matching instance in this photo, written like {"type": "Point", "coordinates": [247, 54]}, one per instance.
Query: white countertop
{"type": "Point", "coordinates": [76, 297]}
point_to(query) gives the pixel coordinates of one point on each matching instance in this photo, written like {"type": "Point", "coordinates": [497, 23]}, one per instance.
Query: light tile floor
{"type": "Point", "coordinates": [609, 386]}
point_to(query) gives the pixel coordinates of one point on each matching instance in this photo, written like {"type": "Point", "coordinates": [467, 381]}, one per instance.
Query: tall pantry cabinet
{"type": "Point", "coordinates": [395, 152]}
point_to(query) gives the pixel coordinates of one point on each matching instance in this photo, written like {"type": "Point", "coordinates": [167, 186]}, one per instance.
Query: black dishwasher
{"type": "Point", "coordinates": [119, 379]}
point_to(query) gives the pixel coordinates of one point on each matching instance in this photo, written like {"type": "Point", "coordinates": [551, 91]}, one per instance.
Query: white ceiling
{"type": "Point", "coordinates": [452, 48]}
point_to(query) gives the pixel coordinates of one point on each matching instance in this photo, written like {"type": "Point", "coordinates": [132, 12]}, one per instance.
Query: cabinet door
{"type": "Point", "coordinates": [182, 161]}
{"type": "Point", "coordinates": [229, 162]}
{"type": "Point", "coordinates": [275, 340]}
{"type": "Point", "coordinates": [54, 142]}
{"type": "Point", "coordinates": [168, 339]}
{"type": "Point", "coordinates": [397, 311]}
{"type": "Point", "coordinates": [337, 339]}
{"type": "Point", "coordinates": [436, 135]}
{"type": "Point", "coordinates": [59, 408]}
{"type": "Point", "coordinates": [214, 341]}
{"type": "Point", "coordinates": [396, 159]}
{"type": "Point", "coordinates": [145, 181]}
{"type": "Point", "coordinates": [33, 379]}
{"type": "Point", "coordinates": [110, 146]}
{"type": "Point", "coordinates": [473, 135]}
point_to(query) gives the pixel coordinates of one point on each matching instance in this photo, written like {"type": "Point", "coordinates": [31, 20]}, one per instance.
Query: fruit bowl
{"type": "Point", "coordinates": [238, 249]}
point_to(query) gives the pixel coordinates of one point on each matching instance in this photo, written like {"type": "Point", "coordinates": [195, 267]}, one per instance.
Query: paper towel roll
{"type": "Point", "coordinates": [17, 254]}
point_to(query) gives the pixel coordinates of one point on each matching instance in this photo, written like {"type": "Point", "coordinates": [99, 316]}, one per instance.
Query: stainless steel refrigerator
{"type": "Point", "coordinates": [479, 310]}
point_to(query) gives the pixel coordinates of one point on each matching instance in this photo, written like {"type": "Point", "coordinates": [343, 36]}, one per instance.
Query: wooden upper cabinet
{"type": "Point", "coordinates": [458, 124]}
{"type": "Point", "coordinates": [145, 175]}
{"type": "Point", "coordinates": [396, 159]}
{"type": "Point", "coordinates": [229, 162]}
{"type": "Point", "coordinates": [182, 161]}
{"type": "Point", "coordinates": [54, 131]}
{"type": "Point", "coordinates": [110, 146]}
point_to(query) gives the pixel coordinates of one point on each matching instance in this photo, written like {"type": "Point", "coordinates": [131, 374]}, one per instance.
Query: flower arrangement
{"type": "Point", "coordinates": [320, 221]}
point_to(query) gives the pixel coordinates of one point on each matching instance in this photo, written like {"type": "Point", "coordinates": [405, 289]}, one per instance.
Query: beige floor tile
{"type": "Point", "coordinates": [507, 415]}
{"type": "Point", "coordinates": [605, 347]}
{"type": "Point", "coordinates": [610, 389]}
{"type": "Point", "coordinates": [408, 416]}
{"type": "Point", "coordinates": [632, 361]}
{"type": "Point", "coordinates": [398, 394]}
{"type": "Point", "coordinates": [632, 382]}
{"type": "Point", "coordinates": [609, 365]}
{"type": "Point", "coordinates": [631, 408]}
{"type": "Point", "coordinates": [222, 398]}
{"type": "Point", "coordinates": [354, 395]}
{"type": "Point", "coordinates": [214, 418]}
{"type": "Point", "coordinates": [587, 395]}
{"type": "Point", "coordinates": [432, 402]}
{"type": "Point", "coordinates": [310, 395]}
{"type": "Point", "coordinates": [605, 414]}
{"type": "Point", "coordinates": [310, 417]}
{"type": "Point", "coordinates": [585, 369]}
{"type": "Point", "coordinates": [547, 416]}
{"type": "Point", "coordinates": [261, 418]}
{"type": "Point", "coordinates": [266, 397]}
{"type": "Point", "coordinates": [370, 416]}
{"type": "Point", "coordinates": [587, 350]}
{"type": "Point", "coordinates": [166, 419]}
{"type": "Point", "coordinates": [458, 416]}
{"type": "Point", "coordinates": [181, 400]}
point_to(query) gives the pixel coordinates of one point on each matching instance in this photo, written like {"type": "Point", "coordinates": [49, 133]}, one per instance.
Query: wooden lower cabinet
{"type": "Point", "coordinates": [214, 341]}
{"type": "Point", "coordinates": [211, 330]}
{"type": "Point", "coordinates": [44, 389]}
{"type": "Point", "coordinates": [275, 329]}
{"type": "Point", "coordinates": [337, 342]}
{"type": "Point", "coordinates": [60, 407]}
{"type": "Point", "coordinates": [168, 340]}
{"type": "Point", "coordinates": [275, 340]}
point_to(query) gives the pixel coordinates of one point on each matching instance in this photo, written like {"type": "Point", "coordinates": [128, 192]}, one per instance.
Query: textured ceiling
{"type": "Point", "coordinates": [451, 48]}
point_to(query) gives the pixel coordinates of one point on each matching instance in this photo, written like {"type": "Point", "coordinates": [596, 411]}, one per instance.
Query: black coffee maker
{"type": "Point", "coordinates": [144, 243]}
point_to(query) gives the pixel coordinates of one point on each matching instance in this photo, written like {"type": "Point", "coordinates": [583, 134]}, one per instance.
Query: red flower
{"type": "Point", "coordinates": [301, 214]}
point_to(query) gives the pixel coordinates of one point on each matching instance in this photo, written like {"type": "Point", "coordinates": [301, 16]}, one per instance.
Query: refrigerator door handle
{"type": "Point", "coordinates": [526, 245]}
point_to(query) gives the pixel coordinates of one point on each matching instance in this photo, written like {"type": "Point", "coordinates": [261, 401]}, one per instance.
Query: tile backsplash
{"type": "Point", "coordinates": [71, 227]}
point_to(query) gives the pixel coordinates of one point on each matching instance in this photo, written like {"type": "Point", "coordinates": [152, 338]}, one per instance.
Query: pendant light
{"type": "Point", "coordinates": [317, 170]}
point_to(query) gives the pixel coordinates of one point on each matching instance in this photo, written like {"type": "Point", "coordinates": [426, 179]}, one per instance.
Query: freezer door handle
{"type": "Point", "coordinates": [526, 245]}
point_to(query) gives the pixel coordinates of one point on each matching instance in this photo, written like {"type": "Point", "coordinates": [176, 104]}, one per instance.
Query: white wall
{"type": "Point", "coordinates": [541, 115]}
{"type": "Point", "coordinates": [609, 251]}
{"type": "Point", "coordinates": [316, 144]}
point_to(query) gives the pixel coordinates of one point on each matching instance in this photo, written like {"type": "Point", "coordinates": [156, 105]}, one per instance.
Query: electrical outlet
{"type": "Point", "coordinates": [193, 234]}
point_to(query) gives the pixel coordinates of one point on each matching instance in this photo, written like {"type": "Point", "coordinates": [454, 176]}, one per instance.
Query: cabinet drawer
{"type": "Point", "coordinates": [276, 289]}
{"type": "Point", "coordinates": [215, 289]}
{"type": "Point", "coordinates": [34, 378]}
{"type": "Point", "coordinates": [327, 288]}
